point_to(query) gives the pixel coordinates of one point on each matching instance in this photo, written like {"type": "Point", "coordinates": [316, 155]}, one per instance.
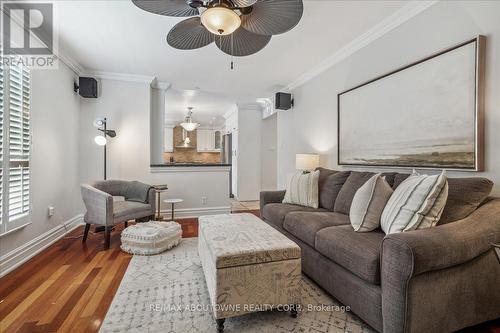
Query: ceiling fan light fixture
{"type": "Point", "coordinates": [220, 20]}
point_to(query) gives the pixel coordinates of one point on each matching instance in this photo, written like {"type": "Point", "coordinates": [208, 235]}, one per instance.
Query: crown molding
{"type": "Point", "coordinates": [160, 85]}
{"type": "Point", "coordinates": [399, 17]}
{"type": "Point", "coordinates": [121, 77]}
{"type": "Point", "coordinates": [70, 62]}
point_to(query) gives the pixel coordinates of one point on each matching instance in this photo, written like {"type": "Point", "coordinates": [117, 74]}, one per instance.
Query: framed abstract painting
{"type": "Point", "coordinates": [428, 114]}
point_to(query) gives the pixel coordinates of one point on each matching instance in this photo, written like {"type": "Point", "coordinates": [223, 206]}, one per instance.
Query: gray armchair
{"type": "Point", "coordinates": [102, 210]}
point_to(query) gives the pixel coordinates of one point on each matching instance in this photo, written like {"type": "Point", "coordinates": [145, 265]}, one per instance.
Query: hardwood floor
{"type": "Point", "coordinates": [69, 286]}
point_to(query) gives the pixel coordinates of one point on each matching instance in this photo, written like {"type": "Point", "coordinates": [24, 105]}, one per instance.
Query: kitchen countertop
{"type": "Point", "coordinates": [194, 164]}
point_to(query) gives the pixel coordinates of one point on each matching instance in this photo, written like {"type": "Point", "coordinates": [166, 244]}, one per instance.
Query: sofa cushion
{"type": "Point", "coordinates": [275, 213]}
{"type": "Point", "coordinates": [127, 210]}
{"type": "Point", "coordinates": [352, 184]}
{"type": "Point", "coordinates": [330, 188]}
{"type": "Point", "coordinates": [399, 178]}
{"type": "Point", "coordinates": [305, 225]}
{"type": "Point", "coordinates": [464, 196]}
{"type": "Point", "coordinates": [390, 177]}
{"type": "Point", "coordinates": [324, 174]}
{"type": "Point", "coordinates": [358, 252]}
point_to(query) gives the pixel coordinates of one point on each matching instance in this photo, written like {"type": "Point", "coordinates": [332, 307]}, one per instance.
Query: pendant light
{"type": "Point", "coordinates": [188, 123]}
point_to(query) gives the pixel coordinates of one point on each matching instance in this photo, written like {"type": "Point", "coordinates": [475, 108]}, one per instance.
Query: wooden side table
{"type": "Point", "coordinates": [173, 202]}
{"type": "Point", "coordinates": [159, 189]}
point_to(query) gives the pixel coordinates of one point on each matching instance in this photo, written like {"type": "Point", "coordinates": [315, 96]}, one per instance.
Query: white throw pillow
{"type": "Point", "coordinates": [415, 204]}
{"type": "Point", "coordinates": [369, 203]}
{"type": "Point", "coordinates": [302, 189]}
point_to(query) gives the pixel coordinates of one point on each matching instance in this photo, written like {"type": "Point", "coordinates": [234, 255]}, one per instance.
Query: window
{"type": "Point", "coordinates": [15, 143]}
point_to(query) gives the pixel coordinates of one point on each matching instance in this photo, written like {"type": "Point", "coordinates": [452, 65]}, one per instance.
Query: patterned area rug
{"type": "Point", "coordinates": [167, 293]}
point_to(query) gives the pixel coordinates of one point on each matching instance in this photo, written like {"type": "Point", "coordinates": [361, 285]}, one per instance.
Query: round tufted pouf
{"type": "Point", "coordinates": [151, 237]}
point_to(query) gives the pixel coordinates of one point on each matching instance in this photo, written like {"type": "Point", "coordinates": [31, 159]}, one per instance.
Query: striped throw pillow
{"type": "Point", "coordinates": [302, 189]}
{"type": "Point", "coordinates": [369, 203]}
{"type": "Point", "coordinates": [415, 204]}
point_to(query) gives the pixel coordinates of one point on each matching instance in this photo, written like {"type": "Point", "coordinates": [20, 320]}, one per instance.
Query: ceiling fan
{"type": "Point", "coordinates": [238, 27]}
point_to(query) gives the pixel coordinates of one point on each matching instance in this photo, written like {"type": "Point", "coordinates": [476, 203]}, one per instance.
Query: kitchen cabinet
{"type": "Point", "coordinates": [206, 141]}
{"type": "Point", "coordinates": [218, 140]}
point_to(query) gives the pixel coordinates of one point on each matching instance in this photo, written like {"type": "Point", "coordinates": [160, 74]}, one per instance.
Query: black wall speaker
{"type": "Point", "coordinates": [87, 87]}
{"type": "Point", "coordinates": [284, 101]}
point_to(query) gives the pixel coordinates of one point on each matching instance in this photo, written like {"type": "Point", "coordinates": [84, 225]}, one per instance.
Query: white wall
{"type": "Point", "coordinates": [127, 107]}
{"type": "Point", "coordinates": [157, 124]}
{"type": "Point", "coordinates": [54, 162]}
{"type": "Point", "coordinates": [248, 138]}
{"type": "Point", "coordinates": [269, 153]}
{"type": "Point", "coordinates": [311, 126]}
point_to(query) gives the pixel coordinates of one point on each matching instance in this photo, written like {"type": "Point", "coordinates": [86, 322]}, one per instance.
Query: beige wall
{"type": "Point", "coordinates": [54, 165]}
{"type": "Point", "coordinates": [269, 154]}
{"type": "Point", "coordinates": [127, 107]}
{"type": "Point", "coordinates": [311, 126]}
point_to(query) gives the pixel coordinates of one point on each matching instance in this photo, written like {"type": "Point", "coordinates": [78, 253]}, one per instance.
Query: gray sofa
{"type": "Point", "coordinates": [435, 280]}
{"type": "Point", "coordinates": [103, 210]}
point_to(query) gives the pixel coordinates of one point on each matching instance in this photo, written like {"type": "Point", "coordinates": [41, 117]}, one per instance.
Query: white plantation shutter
{"type": "Point", "coordinates": [19, 141]}
{"type": "Point", "coordinates": [16, 142]}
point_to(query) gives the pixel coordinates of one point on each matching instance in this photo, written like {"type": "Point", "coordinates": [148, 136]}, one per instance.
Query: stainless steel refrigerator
{"type": "Point", "coordinates": [227, 158]}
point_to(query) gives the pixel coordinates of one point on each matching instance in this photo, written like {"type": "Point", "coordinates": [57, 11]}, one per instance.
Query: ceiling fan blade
{"type": "Point", "coordinates": [177, 8]}
{"type": "Point", "coordinates": [273, 17]}
{"type": "Point", "coordinates": [244, 43]}
{"type": "Point", "coordinates": [189, 34]}
{"type": "Point", "coordinates": [243, 3]}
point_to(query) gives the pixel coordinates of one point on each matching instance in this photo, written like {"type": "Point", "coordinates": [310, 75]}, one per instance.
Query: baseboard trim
{"type": "Point", "coordinates": [195, 212]}
{"type": "Point", "coordinates": [25, 252]}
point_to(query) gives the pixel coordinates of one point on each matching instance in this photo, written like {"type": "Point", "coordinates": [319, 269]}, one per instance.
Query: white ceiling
{"type": "Point", "coordinates": [116, 36]}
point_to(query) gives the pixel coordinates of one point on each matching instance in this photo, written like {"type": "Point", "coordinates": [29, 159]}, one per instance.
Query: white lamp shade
{"type": "Point", "coordinates": [190, 126]}
{"type": "Point", "coordinates": [306, 162]}
{"type": "Point", "coordinates": [100, 140]}
{"type": "Point", "coordinates": [220, 20]}
{"type": "Point", "coordinates": [98, 122]}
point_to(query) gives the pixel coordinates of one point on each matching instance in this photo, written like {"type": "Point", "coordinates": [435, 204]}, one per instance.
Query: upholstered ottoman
{"type": "Point", "coordinates": [151, 237]}
{"type": "Point", "coordinates": [248, 266]}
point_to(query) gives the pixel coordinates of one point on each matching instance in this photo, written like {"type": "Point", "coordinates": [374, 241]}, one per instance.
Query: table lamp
{"type": "Point", "coordinates": [306, 162]}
